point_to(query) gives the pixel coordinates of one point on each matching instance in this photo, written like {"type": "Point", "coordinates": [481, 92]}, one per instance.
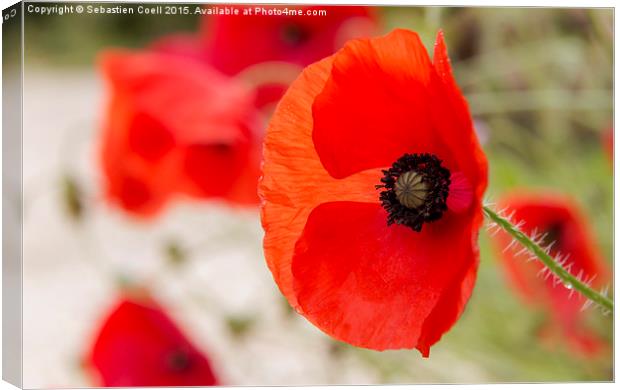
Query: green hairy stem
{"type": "Point", "coordinates": [558, 270]}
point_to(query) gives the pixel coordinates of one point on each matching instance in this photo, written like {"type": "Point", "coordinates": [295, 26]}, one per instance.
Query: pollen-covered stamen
{"type": "Point", "coordinates": [415, 191]}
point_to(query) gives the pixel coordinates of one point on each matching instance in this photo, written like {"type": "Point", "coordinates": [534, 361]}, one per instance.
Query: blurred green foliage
{"type": "Point", "coordinates": [239, 326]}
{"type": "Point", "coordinates": [539, 83]}
{"type": "Point", "coordinates": [75, 39]}
{"type": "Point", "coordinates": [175, 253]}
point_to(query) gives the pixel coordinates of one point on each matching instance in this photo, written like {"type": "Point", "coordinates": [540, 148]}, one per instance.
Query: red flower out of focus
{"type": "Point", "coordinates": [372, 190]}
{"type": "Point", "coordinates": [139, 345]}
{"type": "Point", "coordinates": [233, 44]}
{"type": "Point", "coordinates": [174, 126]}
{"type": "Point", "coordinates": [561, 222]}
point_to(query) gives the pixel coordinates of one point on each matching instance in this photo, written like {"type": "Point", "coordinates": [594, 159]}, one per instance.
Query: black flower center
{"type": "Point", "coordinates": [415, 191]}
{"type": "Point", "coordinates": [179, 360]}
{"type": "Point", "coordinates": [294, 35]}
{"type": "Point", "coordinates": [553, 235]}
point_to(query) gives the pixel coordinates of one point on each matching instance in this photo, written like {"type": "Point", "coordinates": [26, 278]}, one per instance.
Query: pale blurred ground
{"type": "Point", "coordinates": [71, 268]}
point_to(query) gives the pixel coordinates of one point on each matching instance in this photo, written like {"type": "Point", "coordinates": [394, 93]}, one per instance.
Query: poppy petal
{"type": "Point", "coordinates": [139, 345]}
{"type": "Point", "coordinates": [198, 102]}
{"type": "Point", "coordinates": [376, 99]}
{"type": "Point", "coordinates": [148, 138]}
{"type": "Point", "coordinates": [224, 164]}
{"type": "Point", "coordinates": [380, 292]}
{"type": "Point", "coordinates": [383, 99]}
{"type": "Point", "coordinates": [290, 160]}
{"type": "Point", "coordinates": [449, 307]}
{"type": "Point", "coordinates": [182, 45]}
{"type": "Point", "coordinates": [177, 126]}
{"type": "Point", "coordinates": [441, 61]}
{"type": "Point", "coordinates": [130, 159]}
{"type": "Point", "coordinates": [451, 116]}
{"type": "Point", "coordinates": [233, 43]}
{"type": "Point", "coordinates": [461, 194]}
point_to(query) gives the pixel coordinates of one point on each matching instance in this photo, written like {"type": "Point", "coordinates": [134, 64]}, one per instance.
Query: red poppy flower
{"type": "Point", "coordinates": [175, 126]}
{"type": "Point", "coordinates": [187, 45]}
{"type": "Point", "coordinates": [235, 42]}
{"type": "Point", "coordinates": [372, 187]}
{"type": "Point", "coordinates": [139, 345]}
{"type": "Point", "coordinates": [561, 222]}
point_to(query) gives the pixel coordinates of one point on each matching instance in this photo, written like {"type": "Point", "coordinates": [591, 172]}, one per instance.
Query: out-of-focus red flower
{"type": "Point", "coordinates": [559, 218]}
{"type": "Point", "coordinates": [233, 44]}
{"type": "Point", "coordinates": [174, 126]}
{"type": "Point", "coordinates": [139, 345]}
{"type": "Point", "coordinates": [372, 186]}
{"type": "Point", "coordinates": [187, 45]}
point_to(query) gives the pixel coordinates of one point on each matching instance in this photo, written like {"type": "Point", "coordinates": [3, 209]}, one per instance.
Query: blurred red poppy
{"type": "Point", "coordinates": [557, 218]}
{"type": "Point", "coordinates": [372, 185]}
{"type": "Point", "coordinates": [233, 44]}
{"type": "Point", "coordinates": [189, 45]}
{"type": "Point", "coordinates": [139, 345]}
{"type": "Point", "coordinates": [175, 126]}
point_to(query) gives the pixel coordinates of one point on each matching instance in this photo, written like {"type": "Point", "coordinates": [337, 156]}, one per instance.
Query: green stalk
{"type": "Point", "coordinates": [566, 277]}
